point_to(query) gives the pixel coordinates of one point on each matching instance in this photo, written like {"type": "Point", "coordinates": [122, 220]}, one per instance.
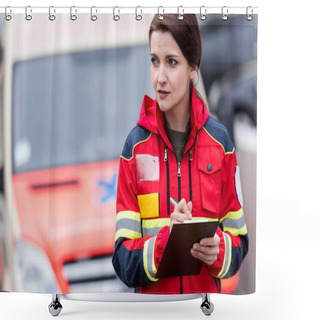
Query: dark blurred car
{"type": "Point", "coordinates": [229, 68]}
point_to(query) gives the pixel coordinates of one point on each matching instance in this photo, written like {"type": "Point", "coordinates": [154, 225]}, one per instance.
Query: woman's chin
{"type": "Point", "coordinates": [163, 107]}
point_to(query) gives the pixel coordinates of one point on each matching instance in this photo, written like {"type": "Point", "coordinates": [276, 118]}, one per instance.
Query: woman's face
{"type": "Point", "coordinates": [170, 73]}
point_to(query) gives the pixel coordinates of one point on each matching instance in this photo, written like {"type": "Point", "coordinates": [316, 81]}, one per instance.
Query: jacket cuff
{"type": "Point", "coordinates": [161, 242]}
{"type": "Point", "coordinates": [216, 268]}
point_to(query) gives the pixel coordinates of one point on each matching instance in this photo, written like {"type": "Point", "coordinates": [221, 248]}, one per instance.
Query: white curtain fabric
{"type": "Point", "coordinates": [71, 91]}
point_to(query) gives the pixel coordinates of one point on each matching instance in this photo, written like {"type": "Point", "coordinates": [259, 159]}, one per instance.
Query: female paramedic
{"type": "Point", "coordinates": [177, 150]}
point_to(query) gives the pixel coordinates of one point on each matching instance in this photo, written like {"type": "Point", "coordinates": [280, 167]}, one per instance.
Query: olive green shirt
{"type": "Point", "coordinates": [178, 139]}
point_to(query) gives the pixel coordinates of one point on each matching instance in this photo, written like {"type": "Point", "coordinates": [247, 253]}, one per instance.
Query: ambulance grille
{"type": "Point", "coordinates": [95, 274]}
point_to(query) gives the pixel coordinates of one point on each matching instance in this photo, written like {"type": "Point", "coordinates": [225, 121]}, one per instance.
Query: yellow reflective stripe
{"type": "Point", "coordinates": [201, 218]}
{"type": "Point", "coordinates": [153, 226]}
{"type": "Point", "coordinates": [155, 223]}
{"type": "Point", "coordinates": [234, 214]}
{"type": "Point", "coordinates": [235, 223]}
{"type": "Point", "coordinates": [236, 232]}
{"type": "Point", "coordinates": [148, 259]}
{"type": "Point", "coordinates": [126, 233]}
{"type": "Point", "coordinates": [162, 222]}
{"type": "Point", "coordinates": [153, 265]}
{"type": "Point", "coordinates": [128, 215]}
{"type": "Point", "coordinates": [128, 225]}
{"type": "Point", "coordinates": [227, 256]}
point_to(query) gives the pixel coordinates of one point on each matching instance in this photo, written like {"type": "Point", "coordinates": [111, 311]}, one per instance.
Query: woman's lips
{"type": "Point", "coordinates": [163, 94]}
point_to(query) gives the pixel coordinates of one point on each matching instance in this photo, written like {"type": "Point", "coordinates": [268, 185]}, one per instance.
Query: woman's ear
{"type": "Point", "coordinates": [193, 72]}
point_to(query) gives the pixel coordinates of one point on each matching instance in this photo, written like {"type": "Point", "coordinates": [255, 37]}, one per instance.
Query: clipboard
{"type": "Point", "coordinates": [177, 259]}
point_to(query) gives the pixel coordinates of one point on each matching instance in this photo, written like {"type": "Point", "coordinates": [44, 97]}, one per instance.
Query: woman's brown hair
{"type": "Point", "coordinates": [186, 33]}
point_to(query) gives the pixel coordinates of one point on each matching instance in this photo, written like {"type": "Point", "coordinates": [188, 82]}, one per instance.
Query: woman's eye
{"type": "Point", "coordinates": [154, 60]}
{"type": "Point", "coordinates": [172, 62]}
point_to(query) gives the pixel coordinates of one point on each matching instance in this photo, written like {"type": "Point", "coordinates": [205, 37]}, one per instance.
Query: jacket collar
{"type": "Point", "coordinates": [152, 118]}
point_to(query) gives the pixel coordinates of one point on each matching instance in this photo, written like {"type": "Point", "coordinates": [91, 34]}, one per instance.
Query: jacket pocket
{"type": "Point", "coordinates": [209, 165]}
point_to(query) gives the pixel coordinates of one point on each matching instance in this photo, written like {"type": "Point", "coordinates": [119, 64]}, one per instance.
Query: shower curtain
{"type": "Point", "coordinates": [71, 89]}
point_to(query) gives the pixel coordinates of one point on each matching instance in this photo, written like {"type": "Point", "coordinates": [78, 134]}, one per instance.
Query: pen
{"type": "Point", "coordinates": [173, 201]}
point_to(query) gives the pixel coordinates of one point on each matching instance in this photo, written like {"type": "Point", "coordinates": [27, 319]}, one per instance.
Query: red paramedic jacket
{"type": "Point", "coordinates": [149, 174]}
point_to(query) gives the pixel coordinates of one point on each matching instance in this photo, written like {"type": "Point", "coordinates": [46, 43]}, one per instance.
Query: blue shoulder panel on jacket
{"type": "Point", "coordinates": [137, 134]}
{"type": "Point", "coordinates": [219, 133]}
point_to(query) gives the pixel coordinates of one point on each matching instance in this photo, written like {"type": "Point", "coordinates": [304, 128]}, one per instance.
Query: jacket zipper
{"type": "Point", "coordinates": [179, 183]}
{"type": "Point", "coordinates": [179, 186]}
{"type": "Point", "coordinates": [179, 197]}
{"type": "Point", "coordinates": [179, 179]}
{"type": "Point", "coordinates": [190, 182]}
{"type": "Point", "coordinates": [168, 192]}
{"type": "Point", "coordinates": [168, 179]}
{"type": "Point", "coordinates": [190, 194]}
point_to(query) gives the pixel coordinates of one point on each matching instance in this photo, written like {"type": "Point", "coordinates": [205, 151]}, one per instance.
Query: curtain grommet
{"type": "Point", "coordinates": [249, 16]}
{"type": "Point", "coordinates": [138, 16]}
{"type": "Point", "coordinates": [93, 17]}
{"type": "Point", "coordinates": [73, 12]}
{"type": "Point", "coordinates": [28, 12]}
{"type": "Point", "coordinates": [160, 15]}
{"type": "Point", "coordinates": [180, 14]}
{"type": "Point", "coordinates": [116, 17]}
{"type": "Point", "coordinates": [203, 13]}
{"type": "Point", "coordinates": [52, 16]}
{"type": "Point", "coordinates": [8, 16]}
{"type": "Point", "coordinates": [224, 13]}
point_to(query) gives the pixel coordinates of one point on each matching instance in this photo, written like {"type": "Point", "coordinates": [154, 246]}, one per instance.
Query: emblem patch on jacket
{"type": "Point", "coordinates": [149, 205]}
{"type": "Point", "coordinates": [147, 167]}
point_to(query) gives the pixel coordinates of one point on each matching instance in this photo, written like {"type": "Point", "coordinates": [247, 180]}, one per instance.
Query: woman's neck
{"type": "Point", "coordinates": [177, 118]}
{"type": "Point", "coordinates": [177, 121]}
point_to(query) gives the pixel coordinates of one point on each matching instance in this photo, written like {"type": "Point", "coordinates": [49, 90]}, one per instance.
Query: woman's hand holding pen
{"type": "Point", "coordinates": [182, 211]}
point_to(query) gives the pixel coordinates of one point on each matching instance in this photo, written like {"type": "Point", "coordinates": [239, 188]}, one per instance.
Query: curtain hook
{"type": "Point", "coordinates": [28, 16]}
{"type": "Point", "coordinates": [180, 15]}
{"type": "Point", "coordinates": [116, 17]}
{"type": "Point", "coordinates": [203, 15]}
{"type": "Point", "coordinates": [52, 10]}
{"type": "Point", "coordinates": [73, 12]}
{"type": "Point", "coordinates": [224, 13]}
{"type": "Point", "coordinates": [160, 16]}
{"type": "Point", "coordinates": [138, 16]}
{"type": "Point", "coordinates": [249, 16]}
{"type": "Point", "coordinates": [8, 16]}
{"type": "Point", "coordinates": [93, 17]}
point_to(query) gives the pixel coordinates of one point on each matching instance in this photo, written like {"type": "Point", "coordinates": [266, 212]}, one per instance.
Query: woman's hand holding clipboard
{"type": "Point", "coordinates": [207, 249]}
{"type": "Point", "coordinates": [191, 242]}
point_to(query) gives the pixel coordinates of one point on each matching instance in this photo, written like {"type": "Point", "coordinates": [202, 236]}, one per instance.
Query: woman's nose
{"type": "Point", "coordinates": [162, 77]}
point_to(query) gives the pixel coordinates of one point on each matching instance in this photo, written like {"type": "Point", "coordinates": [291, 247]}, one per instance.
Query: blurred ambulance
{"type": "Point", "coordinates": [71, 92]}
